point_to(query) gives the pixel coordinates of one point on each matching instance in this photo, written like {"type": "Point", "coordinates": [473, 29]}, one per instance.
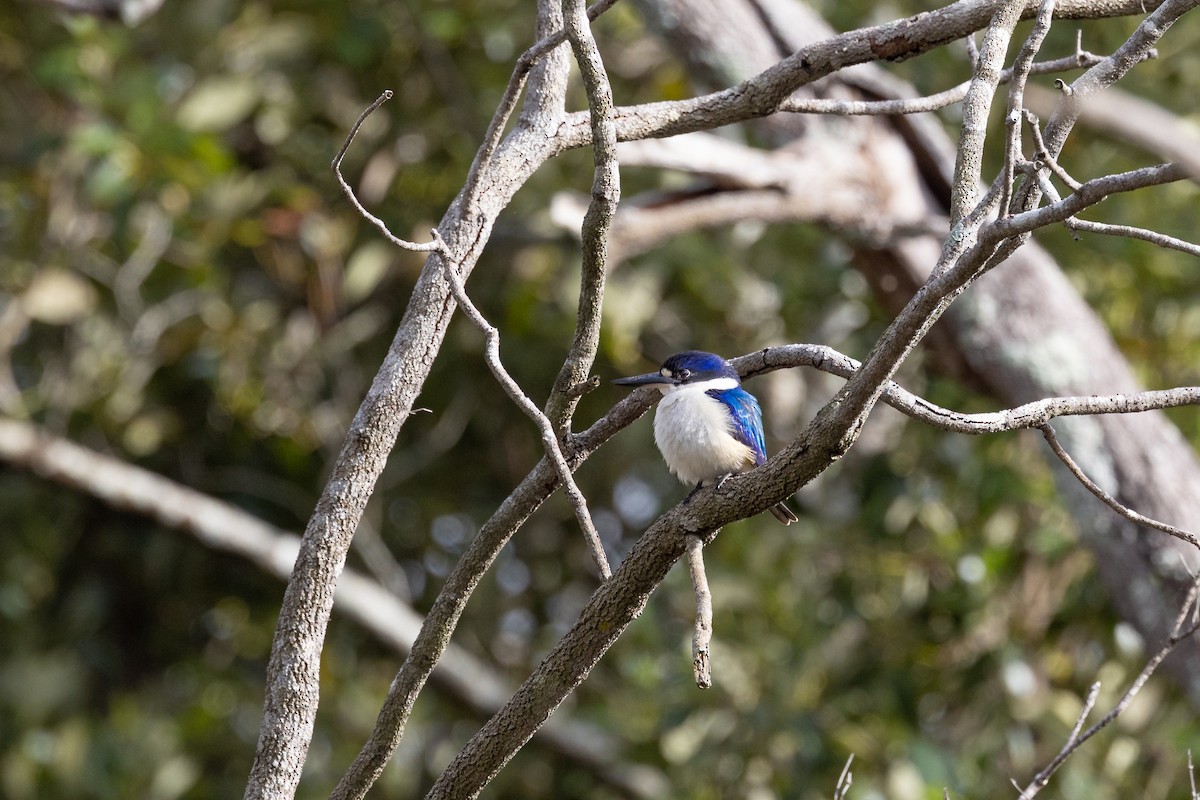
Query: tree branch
{"type": "Point", "coordinates": [1178, 634]}
{"type": "Point", "coordinates": [702, 635]}
{"type": "Point", "coordinates": [293, 670]}
{"type": "Point", "coordinates": [764, 93]}
{"type": "Point", "coordinates": [928, 103]}
{"type": "Point", "coordinates": [1016, 98]}
{"type": "Point", "coordinates": [513, 390]}
{"type": "Point", "coordinates": [427, 247]}
{"type": "Point", "coordinates": [1130, 232]}
{"type": "Point", "coordinates": [606, 193]}
{"type": "Point", "coordinates": [1131, 52]}
{"type": "Point", "coordinates": [976, 105]}
{"type": "Point", "coordinates": [1106, 498]}
{"type": "Point", "coordinates": [447, 608]}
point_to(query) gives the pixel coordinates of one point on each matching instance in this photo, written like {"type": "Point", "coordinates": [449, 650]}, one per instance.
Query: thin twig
{"type": "Point", "coordinates": [972, 50]}
{"type": "Point", "coordinates": [513, 390]}
{"type": "Point", "coordinates": [1088, 705]}
{"type": "Point", "coordinates": [1021, 69]}
{"type": "Point", "coordinates": [921, 105]}
{"type": "Point", "coordinates": [1178, 634]}
{"type": "Point", "coordinates": [1106, 498]}
{"type": "Point", "coordinates": [1044, 155]}
{"type": "Point", "coordinates": [1128, 231]}
{"type": "Point", "coordinates": [427, 247]}
{"type": "Point", "coordinates": [844, 780]}
{"type": "Point", "coordinates": [702, 635]}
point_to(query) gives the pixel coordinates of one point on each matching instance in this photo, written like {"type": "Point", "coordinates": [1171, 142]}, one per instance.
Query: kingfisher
{"type": "Point", "coordinates": [707, 426]}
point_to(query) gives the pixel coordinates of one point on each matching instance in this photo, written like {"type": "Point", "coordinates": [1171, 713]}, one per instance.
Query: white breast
{"type": "Point", "coordinates": [694, 433]}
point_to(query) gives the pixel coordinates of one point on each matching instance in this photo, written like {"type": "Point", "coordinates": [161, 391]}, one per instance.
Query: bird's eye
{"type": "Point", "coordinates": [684, 374]}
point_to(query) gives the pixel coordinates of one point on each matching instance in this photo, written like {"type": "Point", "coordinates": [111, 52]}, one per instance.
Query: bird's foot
{"type": "Point", "coordinates": [716, 486]}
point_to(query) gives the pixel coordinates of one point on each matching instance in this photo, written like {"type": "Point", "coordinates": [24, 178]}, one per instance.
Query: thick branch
{"type": "Point", "coordinates": [766, 92]}
{"type": "Point", "coordinates": [293, 671]}
{"type": "Point", "coordinates": [976, 106]}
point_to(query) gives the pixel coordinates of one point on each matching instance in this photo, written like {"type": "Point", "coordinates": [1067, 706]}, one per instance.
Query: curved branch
{"type": "Point", "coordinates": [427, 247]}
{"type": "Point", "coordinates": [766, 92]}
{"type": "Point", "coordinates": [549, 439]}
{"type": "Point", "coordinates": [293, 670]}
{"type": "Point", "coordinates": [1105, 497]}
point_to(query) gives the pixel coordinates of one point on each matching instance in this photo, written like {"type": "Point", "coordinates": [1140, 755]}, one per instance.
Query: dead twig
{"type": "Point", "coordinates": [1178, 634]}
{"type": "Point", "coordinates": [702, 635]}
{"type": "Point", "coordinates": [513, 389]}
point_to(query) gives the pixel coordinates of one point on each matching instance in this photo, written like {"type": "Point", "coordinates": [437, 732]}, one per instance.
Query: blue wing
{"type": "Point", "coordinates": [747, 419]}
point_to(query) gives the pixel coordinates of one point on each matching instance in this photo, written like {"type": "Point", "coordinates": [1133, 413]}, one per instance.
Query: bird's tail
{"type": "Point", "coordinates": [783, 513]}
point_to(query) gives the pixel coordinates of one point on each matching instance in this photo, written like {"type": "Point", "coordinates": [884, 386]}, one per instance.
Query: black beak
{"type": "Point", "coordinates": [648, 379]}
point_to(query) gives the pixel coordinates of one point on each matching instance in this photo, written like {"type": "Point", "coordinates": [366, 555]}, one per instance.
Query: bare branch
{"type": "Point", "coordinates": [513, 390]}
{"type": "Point", "coordinates": [606, 193]}
{"type": "Point", "coordinates": [1090, 193]}
{"type": "Point", "coordinates": [512, 92]}
{"type": "Point", "coordinates": [1178, 634]}
{"type": "Point", "coordinates": [1133, 51]}
{"type": "Point", "coordinates": [1088, 705]}
{"type": "Point", "coordinates": [293, 670]}
{"type": "Point", "coordinates": [702, 635]}
{"type": "Point", "coordinates": [226, 528]}
{"type": "Point", "coordinates": [1027, 416]}
{"type": "Point", "coordinates": [1022, 68]}
{"type": "Point", "coordinates": [427, 247]}
{"type": "Point", "coordinates": [842, 788]}
{"type": "Point", "coordinates": [1106, 498]}
{"type": "Point", "coordinates": [976, 106]}
{"type": "Point", "coordinates": [1139, 122]}
{"type": "Point", "coordinates": [933, 102]}
{"type": "Point", "coordinates": [1154, 237]}
{"type": "Point", "coordinates": [764, 93]}
{"type": "Point", "coordinates": [1044, 156]}
{"type": "Point", "coordinates": [448, 607]}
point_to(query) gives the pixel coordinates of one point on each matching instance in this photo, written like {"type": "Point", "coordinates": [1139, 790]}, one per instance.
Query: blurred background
{"type": "Point", "coordinates": [184, 287]}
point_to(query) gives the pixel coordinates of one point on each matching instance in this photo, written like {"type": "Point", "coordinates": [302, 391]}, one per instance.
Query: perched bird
{"type": "Point", "coordinates": [707, 426]}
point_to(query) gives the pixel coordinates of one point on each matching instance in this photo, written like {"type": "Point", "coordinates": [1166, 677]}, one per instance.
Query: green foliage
{"type": "Point", "coordinates": [183, 285]}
